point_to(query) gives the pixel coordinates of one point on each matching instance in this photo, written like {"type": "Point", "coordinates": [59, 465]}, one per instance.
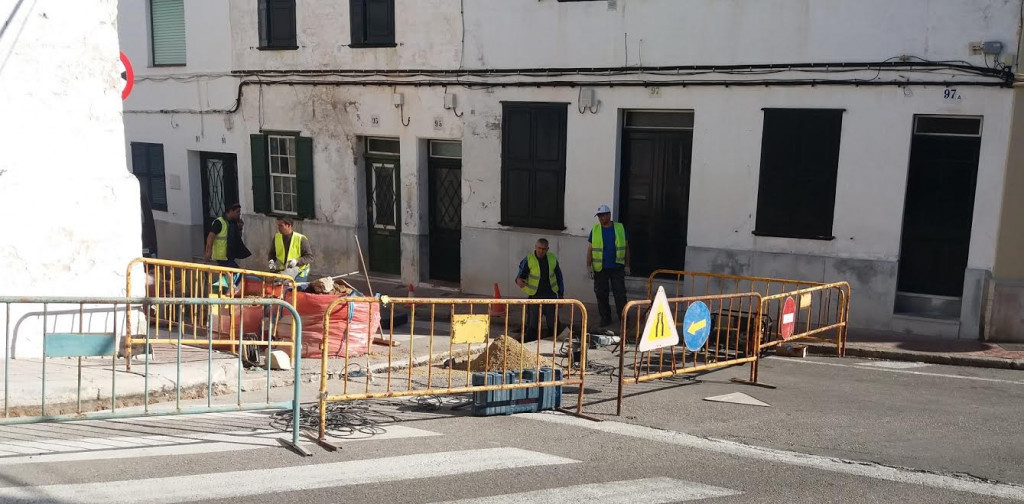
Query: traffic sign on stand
{"type": "Point", "coordinates": [696, 326]}
{"type": "Point", "coordinates": [660, 330]}
{"type": "Point", "coordinates": [788, 318]}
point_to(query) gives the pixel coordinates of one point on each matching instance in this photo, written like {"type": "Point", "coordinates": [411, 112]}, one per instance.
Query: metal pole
{"type": "Point", "coordinates": [7, 361]}
{"type": "Point", "coordinates": [177, 385]}
{"type": "Point", "coordinates": [113, 360]}
{"type": "Point", "coordinates": [42, 409]}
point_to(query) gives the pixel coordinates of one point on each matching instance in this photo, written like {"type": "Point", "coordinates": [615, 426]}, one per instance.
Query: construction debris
{"type": "Point", "coordinates": [509, 354]}
{"type": "Point", "coordinates": [328, 285]}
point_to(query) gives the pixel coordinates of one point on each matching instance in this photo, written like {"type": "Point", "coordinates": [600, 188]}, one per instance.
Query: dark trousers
{"type": "Point", "coordinates": [533, 313]}
{"type": "Point", "coordinates": [616, 277]}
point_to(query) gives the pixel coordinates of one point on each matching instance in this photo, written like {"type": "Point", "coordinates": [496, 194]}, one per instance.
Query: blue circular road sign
{"type": "Point", "coordinates": [696, 326]}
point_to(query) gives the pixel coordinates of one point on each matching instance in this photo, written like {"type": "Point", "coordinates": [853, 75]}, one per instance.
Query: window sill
{"type": "Point", "coordinates": [167, 65]}
{"type": "Point", "coordinates": [528, 227]}
{"type": "Point", "coordinates": [792, 236]}
{"type": "Point", "coordinates": [278, 48]}
{"type": "Point", "coordinates": [372, 46]}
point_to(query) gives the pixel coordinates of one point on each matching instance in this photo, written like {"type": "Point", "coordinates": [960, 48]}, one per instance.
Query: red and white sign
{"type": "Point", "coordinates": [788, 318]}
{"type": "Point", "coordinates": [128, 76]}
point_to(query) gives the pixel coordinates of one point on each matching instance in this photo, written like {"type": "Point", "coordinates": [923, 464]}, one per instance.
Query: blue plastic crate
{"type": "Point", "coordinates": [523, 400]}
{"type": "Point", "coordinates": [548, 397]}
{"type": "Point", "coordinates": [493, 402]}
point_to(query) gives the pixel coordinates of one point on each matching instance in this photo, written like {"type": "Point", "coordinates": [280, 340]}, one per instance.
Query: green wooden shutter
{"type": "Point", "coordinates": [168, 37]}
{"type": "Point", "coordinates": [157, 182]}
{"type": "Point", "coordinates": [264, 23]}
{"type": "Point", "coordinates": [357, 21]}
{"type": "Point", "coordinates": [260, 174]}
{"type": "Point", "coordinates": [306, 204]}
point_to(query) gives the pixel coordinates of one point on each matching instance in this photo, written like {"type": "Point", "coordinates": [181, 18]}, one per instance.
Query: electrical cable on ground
{"type": "Point", "coordinates": [343, 419]}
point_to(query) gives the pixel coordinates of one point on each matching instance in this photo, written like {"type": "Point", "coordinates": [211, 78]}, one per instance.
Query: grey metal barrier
{"type": "Point", "coordinates": [46, 328]}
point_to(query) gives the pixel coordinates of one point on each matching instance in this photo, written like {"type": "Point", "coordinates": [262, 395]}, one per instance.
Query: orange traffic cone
{"type": "Point", "coordinates": [412, 292]}
{"type": "Point", "coordinates": [497, 310]}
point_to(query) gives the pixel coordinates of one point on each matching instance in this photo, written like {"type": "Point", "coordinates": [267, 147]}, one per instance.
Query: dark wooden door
{"type": "Point", "coordinates": [937, 214]}
{"type": "Point", "coordinates": [383, 216]}
{"type": "Point", "coordinates": [654, 197]}
{"type": "Point", "coordinates": [445, 179]}
{"type": "Point", "coordinates": [219, 176]}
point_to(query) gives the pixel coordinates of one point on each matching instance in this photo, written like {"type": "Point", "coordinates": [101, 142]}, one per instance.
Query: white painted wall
{"type": "Point", "coordinates": [547, 33]}
{"type": "Point", "coordinates": [202, 84]}
{"type": "Point", "coordinates": [338, 118]}
{"type": "Point", "coordinates": [427, 34]}
{"type": "Point", "coordinates": [63, 178]}
{"type": "Point", "coordinates": [871, 186]}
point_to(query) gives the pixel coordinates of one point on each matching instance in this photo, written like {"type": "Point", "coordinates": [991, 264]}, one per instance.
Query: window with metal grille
{"type": "Point", "coordinates": [282, 175]}
{"type": "Point", "coordinates": [799, 165]}
{"type": "Point", "coordinates": [148, 167]}
{"type": "Point", "coordinates": [533, 164]}
{"type": "Point", "coordinates": [167, 32]}
{"type": "Point", "coordinates": [277, 24]}
{"type": "Point", "coordinates": [372, 23]}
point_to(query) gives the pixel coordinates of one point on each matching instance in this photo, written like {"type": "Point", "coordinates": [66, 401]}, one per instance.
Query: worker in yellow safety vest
{"type": "Point", "coordinates": [608, 262]}
{"type": "Point", "coordinates": [540, 277]}
{"type": "Point", "coordinates": [290, 250]}
{"type": "Point", "coordinates": [224, 241]}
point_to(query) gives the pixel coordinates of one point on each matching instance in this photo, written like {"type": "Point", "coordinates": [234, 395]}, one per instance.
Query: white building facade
{"type": "Point", "coordinates": [70, 206]}
{"type": "Point", "coordinates": [822, 140]}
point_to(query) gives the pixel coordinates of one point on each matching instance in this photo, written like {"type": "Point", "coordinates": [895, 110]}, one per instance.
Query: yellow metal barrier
{"type": "Point", "coordinates": [819, 308]}
{"type": "Point", "coordinates": [210, 324]}
{"type": "Point", "coordinates": [816, 312]}
{"type": "Point", "coordinates": [679, 283]}
{"type": "Point", "coordinates": [736, 323]}
{"type": "Point", "coordinates": [460, 329]}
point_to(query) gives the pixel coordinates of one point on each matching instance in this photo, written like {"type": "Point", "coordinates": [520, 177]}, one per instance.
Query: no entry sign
{"type": "Point", "coordinates": [788, 318]}
{"type": "Point", "coordinates": [128, 76]}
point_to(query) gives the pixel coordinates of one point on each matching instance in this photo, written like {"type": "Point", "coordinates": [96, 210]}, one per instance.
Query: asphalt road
{"type": "Point", "coordinates": [834, 430]}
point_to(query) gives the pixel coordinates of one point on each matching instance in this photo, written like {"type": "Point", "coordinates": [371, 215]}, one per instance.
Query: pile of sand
{"type": "Point", "coordinates": [509, 353]}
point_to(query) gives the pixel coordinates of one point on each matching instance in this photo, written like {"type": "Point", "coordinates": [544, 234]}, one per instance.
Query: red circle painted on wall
{"type": "Point", "coordinates": [128, 75]}
{"type": "Point", "coordinates": [788, 318]}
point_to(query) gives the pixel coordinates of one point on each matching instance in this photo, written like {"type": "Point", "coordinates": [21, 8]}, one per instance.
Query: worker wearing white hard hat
{"type": "Point", "coordinates": [608, 262]}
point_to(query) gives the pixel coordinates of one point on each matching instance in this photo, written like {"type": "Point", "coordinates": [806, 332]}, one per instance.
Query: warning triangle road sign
{"type": "Point", "coordinates": [660, 330]}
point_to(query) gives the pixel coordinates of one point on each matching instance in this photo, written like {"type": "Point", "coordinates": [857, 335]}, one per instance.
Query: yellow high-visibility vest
{"type": "Point", "coordinates": [294, 250]}
{"type": "Point", "coordinates": [220, 242]}
{"type": "Point", "coordinates": [533, 281]}
{"type": "Point", "coordinates": [597, 246]}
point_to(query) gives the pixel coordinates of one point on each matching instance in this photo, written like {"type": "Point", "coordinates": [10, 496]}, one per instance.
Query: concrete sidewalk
{"type": "Point", "coordinates": [101, 376]}
{"type": "Point", "coordinates": [933, 350]}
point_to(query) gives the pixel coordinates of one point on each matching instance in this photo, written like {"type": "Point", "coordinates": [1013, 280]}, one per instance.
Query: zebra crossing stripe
{"type": "Point", "coordinates": [863, 469]}
{"type": "Point", "coordinates": [226, 485]}
{"type": "Point", "coordinates": [162, 445]}
{"type": "Point", "coordinates": [648, 491]}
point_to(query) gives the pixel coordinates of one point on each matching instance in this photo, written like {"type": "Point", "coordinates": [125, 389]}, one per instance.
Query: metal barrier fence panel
{"type": "Point", "coordinates": [79, 335]}
{"type": "Point", "coordinates": [204, 324]}
{"type": "Point", "coordinates": [736, 323]}
{"type": "Point", "coordinates": [823, 307]}
{"type": "Point", "coordinates": [680, 283]}
{"type": "Point", "coordinates": [457, 333]}
{"type": "Point", "coordinates": [820, 313]}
